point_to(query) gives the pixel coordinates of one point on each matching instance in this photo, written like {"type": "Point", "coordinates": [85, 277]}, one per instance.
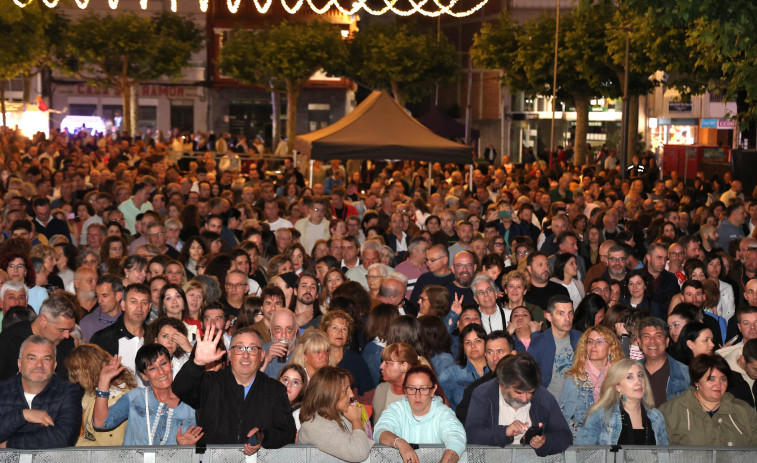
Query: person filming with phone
{"type": "Point", "coordinates": [514, 408]}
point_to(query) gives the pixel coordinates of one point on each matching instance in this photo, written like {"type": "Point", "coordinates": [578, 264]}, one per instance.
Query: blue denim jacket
{"type": "Point", "coordinates": [131, 406]}
{"type": "Point", "coordinates": [455, 379]}
{"type": "Point", "coordinates": [576, 399]}
{"type": "Point", "coordinates": [604, 428]}
{"type": "Point", "coordinates": [372, 357]}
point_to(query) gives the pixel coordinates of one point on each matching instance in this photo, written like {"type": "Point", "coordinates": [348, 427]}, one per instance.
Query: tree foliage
{"type": "Point", "coordinates": [525, 54]}
{"type": "Point", "coordinates": [402, 59]}
{"type": "Point", "coordinates": [120, 51]}
{"type": "Point", "coordinates": [28, 37]}
{"type": "Point", "coordinates": [283, 58]}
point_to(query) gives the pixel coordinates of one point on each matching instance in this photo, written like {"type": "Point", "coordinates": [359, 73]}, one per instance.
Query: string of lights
{"type": "Point", "coordinates": [435, 9]}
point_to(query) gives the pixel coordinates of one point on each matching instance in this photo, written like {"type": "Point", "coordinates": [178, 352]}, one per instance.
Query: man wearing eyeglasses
{"type": "Point", "coordinates": [283, 331]}
{"type": "Point", "coordinates": [464, 266]}
{"type": "Point", "coordinates": [156, 235]}
{"type": "Point", "coordinates": [239, 401]}
{"type": "Point", "coordinates": [493, 317]}
{"type": "Point", "coordinates": [235, 290]}
{"type": "Point", "coordinates": [439, 272]}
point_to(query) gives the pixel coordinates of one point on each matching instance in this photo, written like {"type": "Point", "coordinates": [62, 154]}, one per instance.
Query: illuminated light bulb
{"type": "Point", "coordinates": [50, 3]}
{"type": "Point", "coordinates": [143, 4]}
{"type": "Point", "coordinates": [173, 6]}
{"type": "Point", "coordinates": [204, 5]}
{"type": "Point", "coordinates": [82, 4]}
{"type": "Point", "coordinates": [22, 5]}
{"type": "Point", "coordinates": [264, 8]}
{"type": "Point", "coordinates": [233, 7]}
{"type": "Point", "coordinates": [113, 4]}
{"type": "Point", "coordinates": [294, 9]}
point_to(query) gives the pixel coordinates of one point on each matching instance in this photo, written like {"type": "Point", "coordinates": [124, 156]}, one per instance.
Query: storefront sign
{"type": "Point", "coordinates": [144, 91]}
{"type": "Point", "coordinates": [680, 107]}
{"type": "Point", "coordinates": [718, 124]}
{"type": "Point", "coordinates": [727, 124]}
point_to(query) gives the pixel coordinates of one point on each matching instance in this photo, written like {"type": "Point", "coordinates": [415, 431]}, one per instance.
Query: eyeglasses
{"type": "Point", "coordinates": [291, 382]}
{"type": "Point", "coordinates": [158, 234]}
{"type": "Point", "coordinates": [484, 292]}
{"type": "Point", "coordinates": [410, 390]}
{"type": "Point", "coordinates": [616, 260]}
{"type": "Point", "coordinates": [499, 243]}
{"type": "Point", "coordinates": [235, 286]}
{"type": "Point", "coordinates": [317, 209]}
{"type": "Point", "coordinates": [16, 266]}
{"type": "Point", "coordinates": [599, 342]}
{"type": "Point", "coordinates": [434, 259]}
{"type": "Point", "coordinates": [240, 350]}
{"type": "Point", "coordinates": [601, 291]}
{"type": "Point", "coordinates": [373, 277]}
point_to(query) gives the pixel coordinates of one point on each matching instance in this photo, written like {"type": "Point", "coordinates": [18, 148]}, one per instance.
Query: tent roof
{"type": "Point", "coordinates": [441, 124]}
{"type": "Point", "coordinates": [379, 128]}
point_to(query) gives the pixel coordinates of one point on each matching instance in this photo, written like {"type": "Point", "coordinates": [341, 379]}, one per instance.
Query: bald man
{"type": "Point", "coordinates": [284, 331]}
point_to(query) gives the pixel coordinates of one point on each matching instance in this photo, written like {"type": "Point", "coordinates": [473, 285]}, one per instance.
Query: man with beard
{"type": "Point", "coordinates": [542, 288]}
{"type": "Point", "coordinates": [464, 231]}
{"type": "Point", "coordinates": [85, 281]}
{"type": "Point", "coordinates": [463, 268]}
{"type": "Point", "coordinates": [502, 410]}
{"type": "Point", "coordinates": [710, 238]}
{"type": "Point", "coordinates": [305, 294]}
{"type": "Point", "coordinates": [437, 261]}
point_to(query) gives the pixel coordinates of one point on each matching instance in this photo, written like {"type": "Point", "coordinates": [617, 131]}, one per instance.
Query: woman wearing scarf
{"type": "Point", "coordinates": [596, 351]}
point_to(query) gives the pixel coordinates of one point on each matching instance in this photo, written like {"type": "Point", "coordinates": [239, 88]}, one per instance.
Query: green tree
{"type": "Point", "coordinates": [402, 59]}
{"type": "Point", "coordinates": [120, 51]}
{"type": "Point", "coordinates": [525, 54]}
{"type": "Point", "coordinates": [25, 43]}
{"type": "Point", "coordinates": [283, 58]}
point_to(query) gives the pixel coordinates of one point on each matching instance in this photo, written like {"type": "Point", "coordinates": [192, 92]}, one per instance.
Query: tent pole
{"type": "Point", "coordinates": [311, 172]}
{"type": "Point", "coordinates": [429, 178]}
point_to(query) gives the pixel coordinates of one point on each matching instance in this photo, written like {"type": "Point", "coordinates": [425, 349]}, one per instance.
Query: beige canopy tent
{"type": "Point", "coordinates": [379, 128]}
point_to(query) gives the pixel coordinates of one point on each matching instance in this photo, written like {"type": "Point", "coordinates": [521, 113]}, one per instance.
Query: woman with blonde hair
{"type": "Point", "coordinates": [331, 418]}
{"type": "Point", "coordinates": [313, 351]}
{"type": "Point", "coordinates": [597, 350]}
{"type": "Point", "coordinates": [84, 364]}
{"type": "Point", "coordinates": [195, 292]}
{"type": "Point", "coordinates": [515, 284]}
{"type": "Point", "coordinates": [624, 413]}
{"type": "Point", "coordinates": [396, 360]}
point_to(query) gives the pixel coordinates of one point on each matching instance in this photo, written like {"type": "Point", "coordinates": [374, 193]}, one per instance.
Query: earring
{"type": "Point", "coordinates": [623, 398]}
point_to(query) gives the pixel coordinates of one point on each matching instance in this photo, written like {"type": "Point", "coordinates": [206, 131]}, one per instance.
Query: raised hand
{"type": "Point", "coordinates": [190, 437]}
{"type": "Point", "coordinates": [205, 348]}
{"type": "Point", "coordinates": [111, 369]}
{"type": "Point", "coordinates": [457, 304]}
{"type": "Point", "coordinates": [535, 326]}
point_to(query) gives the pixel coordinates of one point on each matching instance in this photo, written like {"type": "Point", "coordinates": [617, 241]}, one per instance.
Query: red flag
{"type": "Point", "coordinates": [41, 104]}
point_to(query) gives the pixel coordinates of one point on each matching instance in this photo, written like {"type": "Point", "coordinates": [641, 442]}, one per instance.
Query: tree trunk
{"type": "Point", "coordinates": [633, 125]}
{"type": "Point", "coordinates": [134, 116]}
{"type": "Point", "coordinates": [27, 89]}
{"type": "Point", "coordinates": [275, 119]}
{"type": "Point", "coordinates": [581, 103]}
{"type": "Point", "coordinates": [126, 109]}
{"type": "Point", "coordinates": [397, 95]}
{"type": "Point", "coordinates": [293, 95]}
{"type": "Point", "coordinates": [2, 101]}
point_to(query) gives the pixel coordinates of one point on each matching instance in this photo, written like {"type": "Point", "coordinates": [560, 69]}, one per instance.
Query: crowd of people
{"type": "Point", "coordinates": [153, 298]}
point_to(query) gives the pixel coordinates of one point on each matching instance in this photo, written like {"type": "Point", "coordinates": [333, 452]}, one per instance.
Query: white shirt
{"type": "Point", "coordinates": [494, 321]}
{"type": "Point", "coordinates": [508, 414]}
{"type": "Point", "coordinates": [280, 223]}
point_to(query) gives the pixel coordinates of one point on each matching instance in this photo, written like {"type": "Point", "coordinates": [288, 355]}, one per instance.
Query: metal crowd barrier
{"type": "Point", "coordinates": [380, 454]}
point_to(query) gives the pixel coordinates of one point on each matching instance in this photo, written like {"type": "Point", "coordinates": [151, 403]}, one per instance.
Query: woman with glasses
{"type": "Point", "coordinates": [332, 420]}
{"type": "Point", "coordinates": [19, 268]}
{"type": "Point", "coordinates": [294, 378]}
{"type": "Point", "coordinates": [396, 360]}
{"type": "Point", "coordinates": [376, 274]}
{"type": "Point", "coordinates": [421, 418]}
{"type": "Point", "coordinates": [597, 350]}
